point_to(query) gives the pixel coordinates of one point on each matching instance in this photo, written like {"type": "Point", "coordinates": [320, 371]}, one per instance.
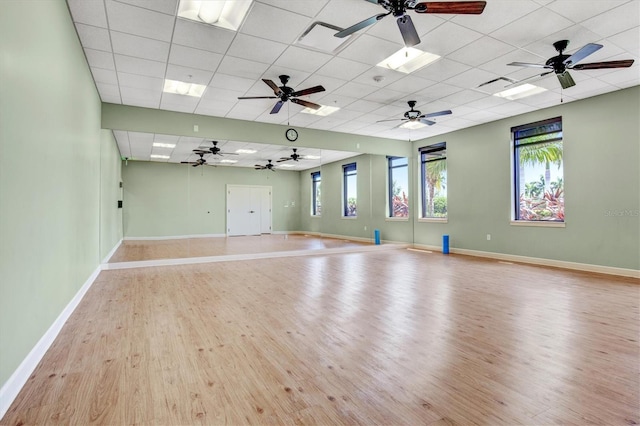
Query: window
{"type": "Point", "coordinates": [316, 207]}
{"type": "Point", "coordinates": [349, 190]}
{"type": "Point", "coordinates": [433, 172]}
{"type": "Point", "coordinates": [398, 186]}
{"type": "Point", "coordinates": [538, 171]}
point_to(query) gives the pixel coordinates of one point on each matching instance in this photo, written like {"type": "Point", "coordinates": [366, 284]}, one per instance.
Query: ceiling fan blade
{"type": "Point", "coordinates": [360, 25]}
{"type": "Point", "coordinates": [427, 122]}
{"type": "Point", "coordinates": [373, 1]}
{"type": "Point", "coordinates": [196, 165]}
{"type": "Point", "coordinates": [582, 53]}
{"type": "Point", "coordinates": [188, 162]}
{"type": "Point", "coordinates": [533, 77]}
{"type": "Point", "coordinates": [601, 65]}
{"type": "Point", "coordinates": [458, 7]}
{"type": "Point", "coordinates": [228, 153]}
{"type": "Point", "coordinates": [306, 103]}
{"type": "Point", "coordinates": [276, 107]}
{"type": "Point", "coordinates": [436, 114]}
{"type": "Point", "coordinates": [507, 79]}
{"type": "Point", "coordinates": [392, 119]}
{"type": "Point", "coordinates": [310, 90]}
{"type": "Point", "coordinates": [408, 31]}
{"type": "Point", "coordinates": [566, 80]}
{"type": "Point", "coordinates": [283, 159]}
{"type": "Point", "coordinates": [527, 64]}
{"type": "Point", "coordinates": [257, 97]}
{"type": "Point", "coordinates": [273, 86]}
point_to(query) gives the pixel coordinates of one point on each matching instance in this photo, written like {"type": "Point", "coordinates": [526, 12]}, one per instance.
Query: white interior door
{"type": "Point", "coordinates": [248, 210]}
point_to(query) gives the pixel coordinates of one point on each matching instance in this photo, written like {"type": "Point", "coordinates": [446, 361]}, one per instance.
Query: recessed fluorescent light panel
{"type": "Point", "coordinates": [227, 14]}
{"type": "Point", "coordinates": [408, 59]}
{"type": "Point", "coordinates": [246, 151]}
{"type": "Point", "coordinates": [286, 165]}
{"type": "Point", "coordinates": [520, 92]}
{"type": "Point", "coordinates": [228, 161]}
{"type": "Point", "coordinates": [160, 157]}
{"type": "Point", "coordinates": [320, 36]}
{"type": "Point", "coordinates": [183, 88]}
{"type": "Point", "coordinates": [412, 125]}
{"type": "Point", "coordinates": [312, 157]}
{"type": "Point", "coordinates": [323, 111]}
{"type": "Point", "coordinates": [164, 145]}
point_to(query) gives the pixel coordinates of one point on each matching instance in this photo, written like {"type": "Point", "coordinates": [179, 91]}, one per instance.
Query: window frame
{"type": "Point", "coordinates": [316, 180]}
{"type": "Point", "coordinates": [515, 169]}
{"type": "Point", "coordinates": [390, 169]}
{"type": "Point", "coordinates": [424, 151]}
{"type": "Point", "coordinates": [348, 170]}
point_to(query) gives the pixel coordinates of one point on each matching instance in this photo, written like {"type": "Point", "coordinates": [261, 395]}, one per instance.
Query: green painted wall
{"type": "Point", "coordinates": [50, 146]}
{"type": "Point", "coordinates": [164, 199]}
{"type": "Point", "coordinates": [110, 193]}
{"type": "Point", "coordinates": [601, 163]}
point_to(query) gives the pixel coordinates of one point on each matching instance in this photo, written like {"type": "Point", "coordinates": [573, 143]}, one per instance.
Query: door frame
{"type": "Point", "coordinates": [230, 186]}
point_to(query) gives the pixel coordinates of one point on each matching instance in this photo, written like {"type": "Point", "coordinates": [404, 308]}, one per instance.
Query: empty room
{"type": "Point", "coordinates": [386, 212]}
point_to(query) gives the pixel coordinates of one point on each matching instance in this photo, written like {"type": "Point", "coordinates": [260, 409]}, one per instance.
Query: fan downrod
{"type": "Point", "coordinates": [561, 45]}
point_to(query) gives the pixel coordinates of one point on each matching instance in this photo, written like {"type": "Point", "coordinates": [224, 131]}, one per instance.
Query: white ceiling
{"type": "Point", "coordinates": [133, 45]}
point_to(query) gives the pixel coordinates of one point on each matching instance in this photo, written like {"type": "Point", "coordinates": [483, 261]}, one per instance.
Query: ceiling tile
{"type": "Point", "coordinates": [480, 51]}
{"type": "Point", "coordinates": [628, 40]}
{"type": "Point", "coordinates": [356, 90]}
{"type": "Point", "coordinates": [387, 28]}
{"type": "Point", "coordinates": [385, 96]}
{"type": "Point", "coordinates": [336, 99]}
{"type": "Point", "coordinates": [462, 98]}
{"type": "Point", "coordinates": [140, 81]}
{"type": "Point", "coordinates": [441, 70]}
{"type": "Point", "coordinates": [533, 26]}
{"type": "Point", "coordinates": [256, 49]}
{"type": "Point", "coordinates": [100, 59]}
{"type": "Point", "coordinates": [139, 66]}
{"type": "Point", "coordinates": [150, 97]}
{"type": "Point", "coordinates": [202, 36]}
{"type": "Point", "coordinates": [90, 13]}
{"type": "Point", "coordinates": [300, 59]}
{"type": "Point", "coordinates": [447, 38]}
{"type": "Point", "coordinates": [379, 77]}
{"type": "Point", "coordinates": [266, 22]}
{"type": "Point", "coordinates": [296, 77]}
{"type": "Point", "coordinates": [140, 22]}
{"type": "Point", "coordinates": [230, 82]}
{"type": "Point", "coordinates": [365, 106]}
{"type": "Point", "coordinates": [437, 91]}
{"type": "Point", "coordinates": [330, 84]}
{"type": "Point", "coordinates": [214, 107]}
{"type": "Point", "coordinates": [108, 90]}
{"type": "Point", "coordinates": [104, 76]}
{"type": "Point", "coordinates": [498, 66]}
{"type": "Point", "coordinates": [222, 95]}
{"type": "Point", "coordinates": [577, 35]}
{"type": "Point", "coordinates": [497, 13]}
{"type": "Point", "coordinates": [177, 107]}
{"type": "Point", "coordinates": [343, 13]}
{"type": "Point", "coordinates": [580, 10]}
{"type": "Point", "coordinates": [189, 75]}
{"type": "Point", "coordinates": [140, 47]}
{"type": "Point", "coordinates": [94, 37]}
{"type": "Point", "coordinates": [470, 79]}
{"type": "Point", "coordinates": [245, 111]}
{"type": "Point", "coordinates": [194, 58]}
{"type": "Point", "coordinates": [410, 84]}
{"type": "Point", "coordinates": [242, 67]}
{"type": "Point", "coordinates": [169, 7]}
{"type": "Point", "coordinates": [303, 7]}
{"type": "Point", "coordinates": [343, 69]}
{"type": "Point", "coordinates": [369, 50]}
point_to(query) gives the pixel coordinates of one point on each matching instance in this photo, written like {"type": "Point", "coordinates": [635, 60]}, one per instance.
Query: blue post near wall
{"type": "Point", "coordinates": [376, 236]}
{"type": "Point", "coordinates": [445, 244]}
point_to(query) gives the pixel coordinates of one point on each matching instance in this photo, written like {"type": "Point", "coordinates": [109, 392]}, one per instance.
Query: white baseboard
{"type": "Point", "coordinates": [609, 270]}
{"type": "Point", "coordinates": [111, 253]}
{"type": "Point", "coordinates": [174, 237]}
{"type": "Point", "coordinates": [12, 387]}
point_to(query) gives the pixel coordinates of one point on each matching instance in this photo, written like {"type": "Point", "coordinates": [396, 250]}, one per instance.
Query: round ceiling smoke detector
{"type": "Point", "coordinates": [378, 78]}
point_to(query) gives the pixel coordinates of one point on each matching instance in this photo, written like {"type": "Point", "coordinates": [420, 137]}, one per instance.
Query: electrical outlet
{"type": "Point", "coordinates": [195, 128]}
{"type": "Point", "coordinates": [488, 237]}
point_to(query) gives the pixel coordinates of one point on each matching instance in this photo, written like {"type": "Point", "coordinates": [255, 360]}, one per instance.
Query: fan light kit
{"type": "Point", "coordinates": [412, 125]}
{"type": "Point", "coordinates": [408, 59]}
{"type": "Point", "coordinates": [183, 88]}
{"type": "Point", "coordinates": [323, 111]}
{"type": "Point", "coordinates": [164, 145]}
{"type": "Point", "coordinates": [520, 92]}
{"type": "Point", "coordinates": [227, 14]}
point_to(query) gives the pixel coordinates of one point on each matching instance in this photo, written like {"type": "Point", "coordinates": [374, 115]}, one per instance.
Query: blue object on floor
{"type": "Point", "coordinates": [445, 244]}
{"type": "Point", "coordinates": [376, 236]}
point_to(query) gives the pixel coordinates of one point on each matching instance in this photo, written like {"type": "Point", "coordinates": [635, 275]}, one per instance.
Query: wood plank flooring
{"type": "Point", "coordinates": [394, 337]}
{"type": "Point", "coordinates": [135, 250]}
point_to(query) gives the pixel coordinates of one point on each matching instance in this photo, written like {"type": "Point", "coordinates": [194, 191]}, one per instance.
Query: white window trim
{"type": "Point", "coordinates": [434, 219]}
{"type": "Point", "coordinates": [536, 223]}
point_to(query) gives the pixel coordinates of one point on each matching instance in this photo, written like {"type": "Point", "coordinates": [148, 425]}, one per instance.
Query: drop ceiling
{"type": "Point", "coordinates": [133, 45]}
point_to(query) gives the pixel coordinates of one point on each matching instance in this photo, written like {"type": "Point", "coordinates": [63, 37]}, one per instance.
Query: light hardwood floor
{"type": "Point", "coordinates": [393, 337]}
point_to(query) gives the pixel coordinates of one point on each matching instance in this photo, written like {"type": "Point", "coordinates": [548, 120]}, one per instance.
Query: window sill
{"type": "Point", "coordinates": [538, 224]}
{"type": "Point", "coordinates": [316, 216]}
{"type": "Point", "coordinates": [396, 219]}
{"type": "Point", "coordinates": [349, 217]}
{"type": "Point", "coordinates": [433, 220]}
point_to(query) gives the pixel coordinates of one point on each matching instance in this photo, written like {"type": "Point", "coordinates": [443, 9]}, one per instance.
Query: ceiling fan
{"type": "Point", "coordinates": [268, 166]}
{"type": "Point", "coordinates": [295, 156]}
{"type": "Point", "coordinates": [215, 150]}
{"type": "Point", "coordinates": [399, 10]}
{"type": "Point", "coordinates": [415, 115]}
{"type": "Point", "coordinates": [200, 161]}
{"type": "Point", "coordinates": [286, 93]}
{"type": "Point", "coordinates": [562, 63]}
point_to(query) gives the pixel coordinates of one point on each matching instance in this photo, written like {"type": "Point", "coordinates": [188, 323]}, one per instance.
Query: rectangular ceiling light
{"type": "Point", "coordinates": [412, 125]}
{"type": "Point", "coordinates": [161, 157]}
{"type": "Point", "coordinates": [227, 14]}
{"type": "Point", "coordinates": [164, 145]}
{"type": "Point", "coordinates": [520, 92]}
{"type": "Point", "coordinates": [246, 151]}
{"type": "Point", "coordinates": [408, 59]}
{"type": "Point", "coordinates": [183, 88]}
{"type": "Point", "coordinates": [323, 111]}
{"type": "Point", "coordinates": [312, 157]}
{"type": "Point", "coordinates": [228, 161]}
{"type": "Point", "coordinates": [320, 36]}
{"type": "Point", "coordinates": [286, 165]}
